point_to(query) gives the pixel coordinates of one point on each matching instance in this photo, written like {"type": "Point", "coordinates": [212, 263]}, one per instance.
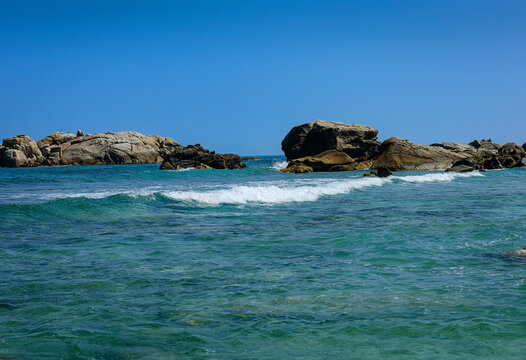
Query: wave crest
{"type": "Point", "coordinates": [272, 194]}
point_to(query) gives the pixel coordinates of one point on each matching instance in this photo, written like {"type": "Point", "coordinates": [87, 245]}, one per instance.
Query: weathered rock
{"type": "Point", "coordinates": [57, 138]}
{"type": "Point", "coordinates": [384, 172]}
{"type": "Point", "coordinates": [98, 149]}
{"type": "Point", "coordinates": [53, 143]}
{"type": "Point", "coordinates": [80, 132]}
{"type": "Point", "coordinates": [250, 158]}
{"type": "Point", "coordinates": [127, 147]}
{"type": "Point", "coordinates": [371, 174]}
{"type": "Point", "coordinates": [400, 154]}
{"type": "Point", "coordinates": [315, 137]}
{"type": "Point", "coordinates": [324, 161]}
{"type": "Point", "coordinates": [297, 169]}
{"type": "Point", "coordinates": [200, 158]}
{"type": "Point", "coordinates": [20, 150]}
{"type": "Point", "coordinates": [456, 147]}
{"type": "Point", "coordinates": [485, 145]}
{"type": "Point", "coordinates": [522, 163]}
{"type": "Point", "coordinates": [524, 146]}
{"type": "Point", "coordinates": [511, 155]}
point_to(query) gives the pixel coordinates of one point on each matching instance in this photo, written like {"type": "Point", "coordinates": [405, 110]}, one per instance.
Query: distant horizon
{"type": "Point", "coordinates": [237, 76]}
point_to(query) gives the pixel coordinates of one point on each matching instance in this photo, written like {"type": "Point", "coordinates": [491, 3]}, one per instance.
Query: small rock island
{"type": "Point", "coordinates": [334, 146]}
{"type": "Point", "coordinates": [110, 148]}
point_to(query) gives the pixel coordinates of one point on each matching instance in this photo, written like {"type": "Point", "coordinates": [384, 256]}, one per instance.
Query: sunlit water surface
{"type": "Point", "coordinates": [129, 262]}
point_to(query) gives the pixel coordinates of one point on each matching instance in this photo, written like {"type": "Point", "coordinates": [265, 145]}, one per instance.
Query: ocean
{"type": "Point", "coordinates": [129, 262]}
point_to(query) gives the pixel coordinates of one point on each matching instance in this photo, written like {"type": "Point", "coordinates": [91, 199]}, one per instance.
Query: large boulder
{"type": "Point", "coordinates": [400, 154]}
{"type": "Point", "coordinates": [19, 151]}
{"type": "Point", "coordinates": [197, 157]}
{"type": "Point", "coordinates": [315, 137]}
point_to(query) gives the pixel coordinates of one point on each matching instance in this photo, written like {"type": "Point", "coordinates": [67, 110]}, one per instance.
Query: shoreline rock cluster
{"type": "Point", "coordinates": [197, 157]}
{"type": "Point", "coordinates": [110, 148]}
{"type": "Point", "coordinates": [334, 146]}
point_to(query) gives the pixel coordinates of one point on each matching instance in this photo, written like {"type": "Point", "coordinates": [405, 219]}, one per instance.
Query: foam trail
{"type": "Point", "coordinates": [278, 165]}
{"type": "Point", "coordinates": [272, 194]}
{"type": "Point", "coordinates": [446, 176]}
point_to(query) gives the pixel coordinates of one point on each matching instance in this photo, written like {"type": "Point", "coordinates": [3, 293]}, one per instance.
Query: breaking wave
{"type": "Point", "coordinates": [265, 192]}
{"type": "Point", "coordinates": [278, 165]}
{"type": "Point", "coordinates": [446, 176]}
{"type": "Point", "coordinates": [272, 194]}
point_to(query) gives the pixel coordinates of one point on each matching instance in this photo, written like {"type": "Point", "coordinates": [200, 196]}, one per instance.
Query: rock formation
{"type": "Point", "coordinates": [128, 147]}
{"type": "Point", "coordinates": [335, 146]}
{"type": "Point", "coordinates": [315, 137]}
{"type": "Point", "coordinates": [399, 154]}
{"type": "Point", "coordinates": [20, 151]}
{"type": "Point", "coordinates": [197, 157]}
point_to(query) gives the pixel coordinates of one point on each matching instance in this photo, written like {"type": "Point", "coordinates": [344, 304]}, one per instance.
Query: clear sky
{"type": "Point", "coordinates": [235, 76]}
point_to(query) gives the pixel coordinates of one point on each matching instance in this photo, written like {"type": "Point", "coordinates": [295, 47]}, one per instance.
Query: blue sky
{"type": "Point", "coordinates": [235, 76]}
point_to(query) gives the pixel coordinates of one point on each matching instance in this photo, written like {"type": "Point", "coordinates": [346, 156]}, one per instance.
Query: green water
{"type": "Point", "coordinates": [128, 262]}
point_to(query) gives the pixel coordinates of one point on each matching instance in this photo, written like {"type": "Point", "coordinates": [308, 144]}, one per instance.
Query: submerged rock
{"type": "Point", "coordinates": [380, 172]}
{"type": "Point", "coordinates": [197, 157]}
{"type": "Point", "coordinates": [250, 158]}
{"type": "Point", "coordinates": [384, 172]}
{"type": "Point", "coordinates": [297, 169]}
{"type": "Point", "coordinates": [521, 253]}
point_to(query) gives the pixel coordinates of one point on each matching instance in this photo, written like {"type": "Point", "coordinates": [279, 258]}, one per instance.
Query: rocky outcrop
{"type": "Point", "coordinates": [128, 147]}
{"type": "Point", "coordinates": [60, 148]}
{"type": "Point", "coordinates": [308, 146]}
{"type": "Point", "coordinates": [315, 137]}
{"type": "Point", "coordinates": [491, 156]}
{"type": "Point", "coordinates": [197, 157]}
{"type": "Point", "coordinates": [400, 154]}
{"type": "Point", "coordinates": [456, 147]}
{"type": "Point", "coordinates": [20, 151]}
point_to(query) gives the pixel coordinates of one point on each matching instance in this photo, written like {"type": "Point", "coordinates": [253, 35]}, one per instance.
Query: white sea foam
{"type": "Point", "coordinates": [272, 194]}
{"type": "Point", "coordinates": [445, 176]}
{"type": "Point", "coordinates": [278, 165]}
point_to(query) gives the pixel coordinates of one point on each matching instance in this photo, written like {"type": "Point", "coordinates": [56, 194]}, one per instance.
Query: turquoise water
{"type": "Point", "coordinates": [128, 262]}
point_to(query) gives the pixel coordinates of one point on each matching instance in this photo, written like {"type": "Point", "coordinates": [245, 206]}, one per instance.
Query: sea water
{"type": "Point", "coordinates": [129, 262]}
